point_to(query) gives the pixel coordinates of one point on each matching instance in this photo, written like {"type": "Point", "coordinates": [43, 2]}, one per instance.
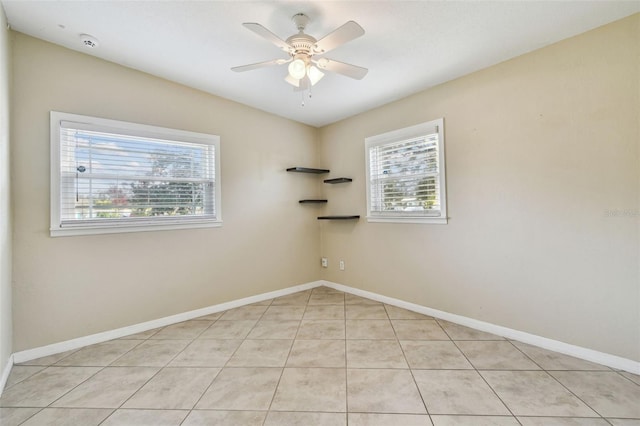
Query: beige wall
{"type": "Point", "coordinates": [538, 148]}
{"type": "Point", "coordinates": [5, 204]}
{"type": "Point", "coordinates": [68, 287]}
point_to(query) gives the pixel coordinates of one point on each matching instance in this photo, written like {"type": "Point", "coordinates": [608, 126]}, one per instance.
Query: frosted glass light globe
{"type": "Point", "coordinates": [297, 69]}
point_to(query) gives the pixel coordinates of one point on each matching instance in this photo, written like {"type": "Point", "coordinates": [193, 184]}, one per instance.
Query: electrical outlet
{"type": "Point", "coordinates": [325, 262]}
{"type": "Point", "coordinates": [342, 265]}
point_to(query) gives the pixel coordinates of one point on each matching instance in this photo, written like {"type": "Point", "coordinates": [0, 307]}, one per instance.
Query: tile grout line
{"type": "Point", "coordinates": [424, 403]}
{"type": "Point", "coordinates": [554, 378]}
{"type": "Point", "coordinates": [482, 377]}
{"type": "Point", "coordinates": [275, 389]}
{"type": "Point", "coordinates": [162, 368]}
{"type": "Point", "coordinates": [231, 356]}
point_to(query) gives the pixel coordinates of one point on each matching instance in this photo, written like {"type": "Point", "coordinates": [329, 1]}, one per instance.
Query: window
{"type": "Point", "coordinates": [406, 176]}
{"type": "Point", "coordinates": [111, 176]}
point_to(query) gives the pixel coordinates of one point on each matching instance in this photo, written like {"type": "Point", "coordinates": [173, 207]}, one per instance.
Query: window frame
{"type": "Point", "coordinates": [97, 226]}
{"type": "Point", "coordinates": [407, 133]}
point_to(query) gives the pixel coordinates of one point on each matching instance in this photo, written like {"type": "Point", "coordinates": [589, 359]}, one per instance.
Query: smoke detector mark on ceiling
{"type": "Point", "coordinates": [89, 41]}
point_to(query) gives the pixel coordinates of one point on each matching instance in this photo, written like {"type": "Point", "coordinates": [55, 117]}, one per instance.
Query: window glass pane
{"type": "Point", "coordinates": [108, 176]}
{"type": "Point", "coordinates": [404, 177]}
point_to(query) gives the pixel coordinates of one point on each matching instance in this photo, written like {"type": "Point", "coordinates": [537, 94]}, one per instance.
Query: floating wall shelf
{"type": "Point", "coordinates": [338, 180]}
{"type": "Point", "coordinates": [354, 217]}
{"type": "Point", "coordinates": [321, 201]}
{"type": "Point", "coordinates": [307, 170]}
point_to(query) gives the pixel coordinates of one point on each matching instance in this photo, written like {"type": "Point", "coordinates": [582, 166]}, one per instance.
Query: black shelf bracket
{"type": "Point", "coordinates": [354, 217]}
{"type": "Point", "coordinates": [312, 201]}
{"type": "Point", "coordinates": [307, 170]}
{"type": "Point", "coordinates": [338, 180]}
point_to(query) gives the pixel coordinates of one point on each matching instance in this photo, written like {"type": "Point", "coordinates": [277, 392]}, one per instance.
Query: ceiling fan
{"type": "Point", "coordinates": [304, 65]}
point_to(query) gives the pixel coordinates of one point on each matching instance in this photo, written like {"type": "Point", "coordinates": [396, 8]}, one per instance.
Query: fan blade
{"type": "Point", "coordinates": [338, 37]}
{"type": "Point", "coordinates": [268, 35]}
{"type": "Point", "coordinates": [260, 65]}
{"type": "Point", "coordinates": [349, 70]}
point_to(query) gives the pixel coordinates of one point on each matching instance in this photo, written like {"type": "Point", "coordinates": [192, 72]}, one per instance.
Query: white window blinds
{"type": "Point", "coordinates": [405, 173]}
{"type": "Point", "coordinates": [123, 177]}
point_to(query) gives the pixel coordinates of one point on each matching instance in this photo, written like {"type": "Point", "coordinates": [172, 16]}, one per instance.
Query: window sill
{"type": "Point", "coordinates": [404, 219]}
{"type": "Point", "coordinates": [72, 230]}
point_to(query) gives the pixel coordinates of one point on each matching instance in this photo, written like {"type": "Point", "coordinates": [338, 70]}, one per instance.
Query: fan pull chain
{"type": "Point", "coordinates": [302, 98]}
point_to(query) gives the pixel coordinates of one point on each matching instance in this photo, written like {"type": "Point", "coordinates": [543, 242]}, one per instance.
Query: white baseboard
{"type": "Point", "coordinates": [5, 373]}
{"type": "Point", "coordinates": [609, 360]}
{"type": "Point", "coordinates": [603, 358]}
{"type": "Point", "coordinates": [92, 339]}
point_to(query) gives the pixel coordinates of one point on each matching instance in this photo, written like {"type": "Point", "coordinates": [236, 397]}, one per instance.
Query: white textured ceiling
{"type": "Point", "coordinates": [408, 46]}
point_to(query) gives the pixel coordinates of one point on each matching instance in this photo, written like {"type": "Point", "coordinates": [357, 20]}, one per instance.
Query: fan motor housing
{"type": "Point", "coordinates": [302, 43]}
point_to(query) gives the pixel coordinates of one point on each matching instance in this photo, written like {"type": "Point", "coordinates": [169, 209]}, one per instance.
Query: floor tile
{"type": "Point", "coordinates": [68, 416]}
{"type": "Point", "coordinates": [283, 418]}
{"type": "Point", "coordinates": [398, 313]}
{"type": "Point", "coordinates": [241, 389]}
{"type": "Point", "coordinates": [206, 353]}
{"type": "Point", "coordinates": [418, 330]}
{"type": "Point", "coordinates": [460, 332]}
{"type": "Point", "coordinates": [321, 329]}
{"type": "Point", "coordinates": [281, 329]}
{"type": "Point", "coordinates": [352, 299]}
{"type": "Point", "coordinates": [633, 377]}
{"type": "Point", "coordinates": [624, 422]}
{"type": "Point", "coordinates": [434, 354]}
{"type": "Point", "coordinates": [228, 330]}
{"type": "Point", "coordinates": [22, 372]}
{"type": "Point", "coordinates": [334, 312]}
{"type": "Point", "coordinates": [375, 354]}
{"type": "Point", "coordinates": [317, 353]}
{"type": "Point", "coordinates": [109, 388]}
{"type": "Point", "coordinates": [326, 299]}
{"type": "Point", "coordinates": [248, 312]}
{"type": "Point", "coordinates": [48, 360]}
{"type": "Point", "coordinates": [549, 360]}
{"type": "Point", "coordinates": [300, 298]}
{"type": "Point", "coordinates": [173, 388]}
{"type": "Point", "coordinates": [606, 392]}
{"type": "Point", "coordinates": [325, 290]}
{"type": "Point", "coordinates": [146, 418]}
{"type": "Point", "coordinates": [474, 421]}
{"type": "Point", "coordinates": [46, 386]}
{"type": "Point", "coordinates": [369, 329]}
{"type": "Point", "coordinates": [261, 353]}
{"type": "Point", "coordinates": [151, 353]}
{"type": "Point", "coordinates": [279, 313]}
{"type": "Point", "coordinates": [183, 330]}
{"type": "Point", "coordinates": [382, 391]}
{"type": "Point", "coordinates": [562, 421]}
{"type": "Point", "coordinates": [457, 392]}
{"type": "Point", "coordinates": [366, 312]}
{"type": "Point", "coordinates": [15, 416]}
{"type": "Point", "coordinates": [376, 419]}
{"type": "Point", "coordinates": [311, 389]}
{"type": "Point", "coordinates": [495, 355]}
{"type": "Point", "coordinates": [99, 355]}
{"type": "Point", "coordinates": [224, 418]}
{"type": "Point", "coordinates": [535, 393]}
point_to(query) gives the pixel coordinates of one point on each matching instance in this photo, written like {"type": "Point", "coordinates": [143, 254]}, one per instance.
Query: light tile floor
{"type": "Point", "coordinates": [318, 357]}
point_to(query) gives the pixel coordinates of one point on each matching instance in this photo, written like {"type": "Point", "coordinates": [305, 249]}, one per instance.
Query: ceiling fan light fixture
{"type": "Point", "coordinates": [315, 75]}
{"type": "Point", "coordinates": [292, 81]}
{"type": "Point", "coordinates": [297, 69]}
